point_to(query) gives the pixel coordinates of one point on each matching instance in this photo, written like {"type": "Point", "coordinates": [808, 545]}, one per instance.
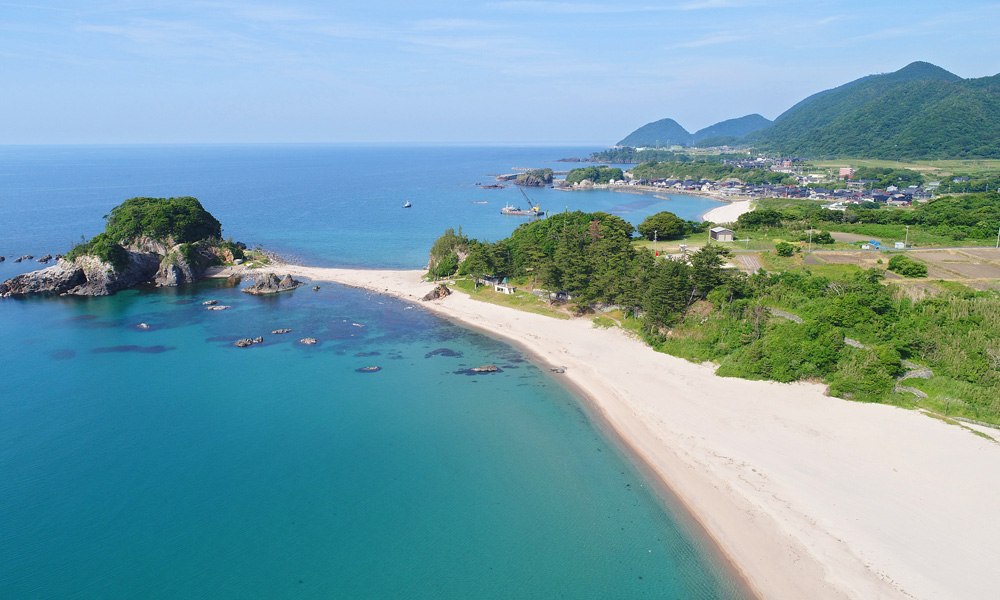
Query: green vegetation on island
{"type": "Point", "coordinates": [598, 175]}
{"type": "Point", "coordinates": [535, 177]}
{"type": "Point", "coordinates": [180, 220]}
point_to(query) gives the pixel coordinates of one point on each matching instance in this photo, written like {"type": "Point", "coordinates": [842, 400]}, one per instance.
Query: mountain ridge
{"type": "Point", "coordinates": [919, 111]}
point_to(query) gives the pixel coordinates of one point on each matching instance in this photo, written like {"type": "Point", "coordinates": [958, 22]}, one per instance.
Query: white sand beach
{"type": "Point", "coordinates": [809, 496]}
{"type": "Point", "coordinates": [728, 213]}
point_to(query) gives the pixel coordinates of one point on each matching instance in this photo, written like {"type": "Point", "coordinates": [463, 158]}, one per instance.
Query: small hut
{"type": "Point", "coordinates": [504, 287]}
{"type": "Point", "coordinates": [721, 234]}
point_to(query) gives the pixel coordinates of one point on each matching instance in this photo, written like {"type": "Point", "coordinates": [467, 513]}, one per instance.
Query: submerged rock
{"type": "Point", "coordinates": [368, 369]}
{"type": "Point", "coordinates": [209, 302]}
{"type": "Point", "coordinates": [270, 284]}
{"type": "Point", "coordinates": [234, 280]}
{"type": "Point", "coordinates": [280, 331]}
{"type": "Point", "coordinates": [315, 288]}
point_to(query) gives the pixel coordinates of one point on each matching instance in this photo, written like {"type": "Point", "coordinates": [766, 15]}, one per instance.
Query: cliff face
{"type": "Point", "coordinates": [90, 276]}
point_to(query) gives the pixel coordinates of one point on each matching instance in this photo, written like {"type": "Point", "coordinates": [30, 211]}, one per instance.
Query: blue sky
{"type": "Point", "coordinates": [505, 71]}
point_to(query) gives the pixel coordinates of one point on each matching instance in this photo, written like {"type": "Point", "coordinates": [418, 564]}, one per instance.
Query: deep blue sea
{"type": "Point", "coordinates": [167, 463]}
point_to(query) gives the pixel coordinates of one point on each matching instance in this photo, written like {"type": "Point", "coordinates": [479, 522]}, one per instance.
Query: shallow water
{"type": "Point", "coordinates": [167, 463]}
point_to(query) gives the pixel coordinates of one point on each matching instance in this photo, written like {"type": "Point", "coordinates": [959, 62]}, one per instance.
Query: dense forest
{"type": "Point", "coordinates": [715, 171]}
{"type": "Point", "coordinates": [701, 310]}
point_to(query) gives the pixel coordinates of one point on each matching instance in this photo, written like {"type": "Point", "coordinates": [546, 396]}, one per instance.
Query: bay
{"type": "Point", "coordinates": [164, 462]}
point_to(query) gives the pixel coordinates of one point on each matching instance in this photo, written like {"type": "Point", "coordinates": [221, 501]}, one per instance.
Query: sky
{"type": "Point", "coordinates": [377, 71]}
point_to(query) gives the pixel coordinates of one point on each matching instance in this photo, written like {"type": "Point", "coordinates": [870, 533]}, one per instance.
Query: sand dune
{"type": "Point", "coordinates": [809, 496]}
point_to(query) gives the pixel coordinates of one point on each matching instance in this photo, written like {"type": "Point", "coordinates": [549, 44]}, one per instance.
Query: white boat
{"type": "Point", "coordinates": [407, 205]}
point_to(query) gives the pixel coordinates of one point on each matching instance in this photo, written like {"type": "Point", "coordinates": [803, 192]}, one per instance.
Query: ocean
{"type": "Point", "coordinates": [164, 462]}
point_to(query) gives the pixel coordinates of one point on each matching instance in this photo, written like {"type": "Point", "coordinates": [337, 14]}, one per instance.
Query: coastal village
{"type": "Point", "coordinates": [813, 186]}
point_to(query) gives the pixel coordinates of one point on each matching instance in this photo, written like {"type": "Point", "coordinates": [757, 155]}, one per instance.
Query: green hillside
{"type": "Point", "coordinates": [920, 111]}
{"type": "Point", "coordinates": [663, 133]}
{"type": "Point", "coordinates": [732, 128]}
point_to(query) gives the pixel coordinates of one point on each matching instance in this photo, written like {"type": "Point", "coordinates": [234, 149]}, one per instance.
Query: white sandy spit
{"type": "Point", "coordinates": [728, 213]}
{"type": "Point", "coordinates": [809, 496]}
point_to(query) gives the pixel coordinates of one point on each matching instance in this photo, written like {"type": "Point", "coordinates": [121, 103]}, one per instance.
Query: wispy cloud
{"type": "Point", "coordinates": [36, 7]}
{"type": "Point", "coordinates": [711, 40]}
{"type": "Point", "coordinates": [599, 8]}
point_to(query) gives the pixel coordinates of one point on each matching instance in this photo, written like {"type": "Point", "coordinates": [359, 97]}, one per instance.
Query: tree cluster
{"type": "Point", "coordinates": [602, 174]}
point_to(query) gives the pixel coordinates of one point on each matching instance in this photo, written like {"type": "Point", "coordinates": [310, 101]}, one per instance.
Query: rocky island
{"type": "Point", "coordinates": [158, 241]}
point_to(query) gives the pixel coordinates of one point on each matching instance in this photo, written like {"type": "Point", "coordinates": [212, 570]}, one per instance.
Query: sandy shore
{"type": "Point", "coordinates": [729, 213]}
{"type": "Point", "coordinates": [809, 496]}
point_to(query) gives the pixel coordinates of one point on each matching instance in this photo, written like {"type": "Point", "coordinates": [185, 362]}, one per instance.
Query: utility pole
{"type": "Point", "coordinates": [998, 238]}
{"type": "Point", "coordinates": [810, 237]}
{"type": "Point", "coordinates": [654, 243]}
{"type": "Point", "coordinates": [906, 240]}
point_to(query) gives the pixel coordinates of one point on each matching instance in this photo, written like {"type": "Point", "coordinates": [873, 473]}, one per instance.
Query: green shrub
{"type": "Point", "coordinates": [784, 249]}
{"type": "Point", "coordinates": [907, 267]}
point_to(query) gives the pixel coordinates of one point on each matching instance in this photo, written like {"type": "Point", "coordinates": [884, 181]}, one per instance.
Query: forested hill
{"type": "Point", "coordinates": [658, 133]}
{"type": "Point", "coordinates": [920, 111]}
{"type": "Point", "coordinates": [667, 131]}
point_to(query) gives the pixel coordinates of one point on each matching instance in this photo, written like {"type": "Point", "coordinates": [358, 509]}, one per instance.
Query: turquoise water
{"type": "Point", "coordinates": [167, 463]}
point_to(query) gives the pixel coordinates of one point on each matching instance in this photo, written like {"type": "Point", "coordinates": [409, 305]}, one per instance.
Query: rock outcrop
{"type": "Point", "coordinates": [179, 266]}
{"type": "Point", "coordinates": [271, 284]}
{"type": "Point", "coordinates": [56, 279]}
{"type": "Point", "coordinates": [486, 369]}
{"type": "Point", "coordinates": [437, 293]}
{"type": "Point", "coordinates": [104, 279]}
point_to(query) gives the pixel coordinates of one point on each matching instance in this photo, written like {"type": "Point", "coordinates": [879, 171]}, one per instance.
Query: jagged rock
{"type": "Point", "coordinates": [143, 325]}
{"type": "Point", "coordinates": [104, 279]}
{"type": "Point", "coordinates": [57, 257]}
{"type": "Point", "coordinates": [259, 339]}
{"type": "Point", "coordinates": [57, 279]}
{"type": "Point", "coordinates": [270, 284]}
{"type": "Point", "coordinates": [3, 258]}
{"type": "Point", "coordinates": [486, 369]}
{"type": "Point", "coordinates": [25, 257]}
{"type": "Point", "coordinates": [45, 258]}
{"type": "Point", "coordinates": [308, 341]}
{"type": "Point", "coordinates": [315, 288]}
{"type": "Point", "coordinates": [175, 268]}
{"type": "Point", "coordinates": [218, 307]}
{"type": "Point", "coordinates": [209, 302]}
{"type": "Point", "coordinates": [244, 343]}
{"type": "Point", "coordinates": [280, 331]}
{"type": "Point", "coordinates": [557, 369]}
{"type": "Point", "coordinates": [437, 293]}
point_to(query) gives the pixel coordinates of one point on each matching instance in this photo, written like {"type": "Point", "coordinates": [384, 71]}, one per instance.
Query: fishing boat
{"type": "Point", "coordinates": [407, 205]}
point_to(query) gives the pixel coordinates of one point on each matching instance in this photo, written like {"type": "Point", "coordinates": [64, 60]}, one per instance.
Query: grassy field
{"type": "Point", "coordinates": [520, 300]}
{"type": "Point", "coordinates": [931, 168]}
